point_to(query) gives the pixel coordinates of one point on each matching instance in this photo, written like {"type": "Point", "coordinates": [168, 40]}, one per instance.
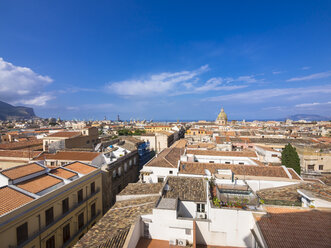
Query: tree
{"type": "Point", "coordinates": [290, 158]}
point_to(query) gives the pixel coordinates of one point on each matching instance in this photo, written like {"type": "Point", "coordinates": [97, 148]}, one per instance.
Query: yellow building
{"type": "Point", "coordinates": [40, 207]}
{"type": "Point", "coordinates": [153, 129]}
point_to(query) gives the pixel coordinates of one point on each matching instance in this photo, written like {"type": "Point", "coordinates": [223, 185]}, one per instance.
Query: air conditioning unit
{"type": "Point", "coordinates": [201, 215]}
{"type": "Point", "coordinates": [181, 242]}
{"type": "Point", "coordinates": [173, 242]}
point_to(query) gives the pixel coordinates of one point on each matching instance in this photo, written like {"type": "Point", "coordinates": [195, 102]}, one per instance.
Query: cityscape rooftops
{"type": "Point", "coordinates": [60, 172]}
{"type": "Point", "coordinates": [112, 229]}
{"type": "Point", "coordinates": [11, 199]}
{"type": "Point", "coordinates": [38, 184]}
{"type": "Point", "coordinates": [19, 153]}
{"type": "Point", "coordinates": [70, 155]}
{"type": "Point", "coordinates": [293, 227]}
{"type": "Point", "coordinates": [288, 195]}
{"type": "Point", "coordinates": [64, 134]}
{"type": "Point", "coordinates": [22, 170]}
{"type": "Point", "coordinates": [222, 153]}
{"type": "Point", "coordinates": [185, 188]}
{"type": "Point", "coordinates": [244, 170]}
{"type": "Point", "coordinates": [141, 189]}
{"type": "Point", "coordinates": [80, 167]}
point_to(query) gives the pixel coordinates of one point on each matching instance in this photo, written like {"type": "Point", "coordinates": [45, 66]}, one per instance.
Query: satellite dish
{"type": "Point", "coordinates": [207, 172]}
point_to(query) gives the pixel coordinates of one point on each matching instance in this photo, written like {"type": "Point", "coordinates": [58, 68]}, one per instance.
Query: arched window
{"type": "Point", "coordinates": [120, 171]}
{"type": "Point", "coordinates": [114, 173]}
{"type": "Point", "coordinates": [125, 167]}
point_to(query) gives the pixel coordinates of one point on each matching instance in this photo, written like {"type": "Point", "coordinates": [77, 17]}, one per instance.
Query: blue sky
{"type": "Point", "coordinates": [166, 59]}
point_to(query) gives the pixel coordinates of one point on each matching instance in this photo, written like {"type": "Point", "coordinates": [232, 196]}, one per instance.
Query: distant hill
{"type": "Point", "coordinates": [308, 117]}
{"type": "Point", "coordinates": [8, 112]}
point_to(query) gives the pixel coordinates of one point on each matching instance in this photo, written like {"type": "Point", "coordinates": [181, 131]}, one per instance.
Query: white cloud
{"type": "Point", "coordinates": [266, 94]}
{"type": "Point", "coordinates": [154, 85]}
{"type": "Point", "coordinates": [277, 72]}
{"type": "Point", "coordinates": [311, 77]}
{"type": "Point", "coordinates": [305, 68]}
{"type": "Point", "coordinates": [304, 105]}
{"type": "Point", "coordinates": [22, 85]}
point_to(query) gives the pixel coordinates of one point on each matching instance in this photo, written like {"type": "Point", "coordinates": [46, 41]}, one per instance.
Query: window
{"type": "Point", "coordinates": [320, 167]}
{"type": "Point", "coordinates": [80, 195]}
{"type": "Point", "coordinates": [92, 187]}
{"type": "Point", "coordinates": [93, 210]}
{"type": "Point", "coordinates": [200, 207]}
{"type": "Point", "coordinates": [22, 233]}
{"type": "Point", "coordinates": [227, 162]}
{"type": "Point", "coordinates": [160, 179]}
{"type": "Point", "coordinates": [125, 167]}
{"type": "Point", "coordinates": [241, 163]}
{"type": "Point", "coordinates": [211, 162]}
{"type": "Point", "coordinates": [311, 167]}
{"type": "Point", "coordinates": [63, 163]}
{"type": "Point", "coordinates": [130, 162]}
{"type": "Point", "coordinates": [274, 155]}
{"type": "Point", "coordinates": [52, 163]}
{"type": "Point", "coordinates": [50, 243]}
{"type": "Point", "coordinates": [114, 173]}
{"type": "Point", "coordinates": [66, 233]}
{"type": "Point", "coordinates": [80, 220]}
{"type": "Point", "coordinates": [170, 172]}
{"type": "Point", "coordinates": [134, 160]}
{"type": "Point", "coordinates": [87, 142]}
{"type": "Point", "coordinates": [65, 205]}
{"type": "Point", "coordinates": [120, 171]}
{"type": "Point", "coordinates": [49, 215]}
{"type": "Point", "coordinates": [188, 231]}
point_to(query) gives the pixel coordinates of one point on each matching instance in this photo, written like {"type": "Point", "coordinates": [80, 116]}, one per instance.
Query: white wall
{"type": "Point", "coordinates": [265, 184]}
{"type": "Point", "coordinates": [187, 209]}
{"type": "Point", "coordinates": [166, 226]}
{"type": "Point", "coordinates": [134, 235]}
{"type": "Point", "coordinates": [158, 172]}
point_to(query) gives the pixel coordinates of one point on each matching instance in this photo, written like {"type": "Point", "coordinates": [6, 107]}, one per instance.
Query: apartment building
{"type": "Point", "coordinates": [40, 207]}
{"type": "Point", "coordinates": [64, 157]}
{"type": "Point", "coordinates": [85, 138]}
{"type": "Point", "coordinates": [121, 168]}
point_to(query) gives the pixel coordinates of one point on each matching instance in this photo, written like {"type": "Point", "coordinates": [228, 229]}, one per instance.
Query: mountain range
{"type": "Point", "coordinates": [9, 112]}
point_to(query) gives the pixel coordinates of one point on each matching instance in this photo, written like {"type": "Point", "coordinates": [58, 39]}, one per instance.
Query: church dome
{"type": "Point", "coordinates": [222, 115]}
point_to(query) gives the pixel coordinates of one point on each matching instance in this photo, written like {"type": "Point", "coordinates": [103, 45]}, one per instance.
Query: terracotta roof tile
{"type": "Point", "coordinates": [11, 199]}
{"type": "Point", "coordinates": [112, 229]}
{"type": "Point", "coordinates": [80, 167]}
{"type": "Point", "coordinates": [141, 189]}
{"type": "Point", "coordinates": [222, 153]}
{"type": "Point", "coordinates": [294, 228]}
{"type": "Point", "coordinates": [38, 184]}
{"type": "Point", "coordinates": [186, 189]}
{"type": "Point", "coordinates": [60, 172]}
{"type": "Point", "coordinates": [247, 170]}
{"type": "Point", "coordinates": [288, 195]}
{"type": "Point", "coordinates": [70, 155]}
{"type": "Point", "coordinates": [64, 134]}
{"type": "Point", "coordinates": [19, 153]}
{"type": "Point", "coordinates": [21, 144]}
{"type": "Point", "coordinates": [22, 170]}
